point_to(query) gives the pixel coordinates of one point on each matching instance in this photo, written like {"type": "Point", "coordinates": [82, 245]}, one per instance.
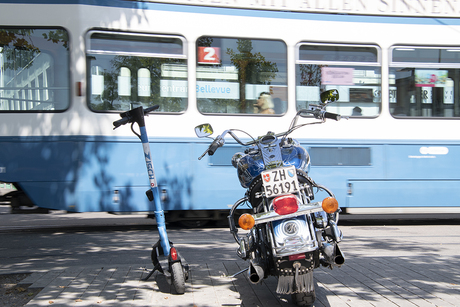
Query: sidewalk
{"type": "Point", "coordinates": [362, 282]}
{"type": "Point", "coordinates": [385, 266]}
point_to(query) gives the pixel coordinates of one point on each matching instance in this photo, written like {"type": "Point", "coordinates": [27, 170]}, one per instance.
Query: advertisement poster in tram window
{"type": "Point", "coordinates": [430, 78]}
{"type": "Point", "coordinates": [337, 75]}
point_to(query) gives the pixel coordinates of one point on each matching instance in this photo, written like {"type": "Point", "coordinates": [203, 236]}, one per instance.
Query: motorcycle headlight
{"type": "Point", "coordinates": [236, 158]}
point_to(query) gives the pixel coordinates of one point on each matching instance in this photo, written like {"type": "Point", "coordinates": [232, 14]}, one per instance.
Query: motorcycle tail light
{"type": "Point", "coordinates": [246, 221]}
{"type": "Point", "coordinates": [297, 257]}
{"type": "Point", "coordinates": [330, 205]}
{"type": "Point", "coordinates": [173, 253]}
{"type": "Point", "coordinates": [285, 204]}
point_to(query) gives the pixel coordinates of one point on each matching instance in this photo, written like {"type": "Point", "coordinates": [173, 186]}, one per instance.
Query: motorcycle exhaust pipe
{"type": "Point", "coordinates": [256, 273]}
{"type": "Point", "coordinates": [333, 254]}
{"type": "Point", "coordinates": [339, 259]}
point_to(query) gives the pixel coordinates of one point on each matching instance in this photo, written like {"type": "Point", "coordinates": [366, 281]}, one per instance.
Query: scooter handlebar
{"type": "Point", "coordinates": [128, 117]}
{"type": "Point", "coordinates": [150, 109]}
{"type": "Point", "coordinates": [120, 122]}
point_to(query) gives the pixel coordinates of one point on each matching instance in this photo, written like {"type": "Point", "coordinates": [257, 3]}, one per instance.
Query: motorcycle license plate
{"type": "Point", "coordinates": [280, 181]}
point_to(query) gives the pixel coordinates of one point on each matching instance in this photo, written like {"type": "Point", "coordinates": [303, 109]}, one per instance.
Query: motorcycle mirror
{"type": "Point", "coordinates": [329, 96]}
{"type": "Point", "coordinates": [203, 130]}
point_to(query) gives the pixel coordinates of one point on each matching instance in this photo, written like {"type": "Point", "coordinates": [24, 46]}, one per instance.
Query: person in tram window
{"type": "Point", "coordinates": [264, 104]}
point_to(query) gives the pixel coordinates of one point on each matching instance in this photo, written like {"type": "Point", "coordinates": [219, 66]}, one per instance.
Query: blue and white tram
{"type": "Point", "coordinates": [68, 68]}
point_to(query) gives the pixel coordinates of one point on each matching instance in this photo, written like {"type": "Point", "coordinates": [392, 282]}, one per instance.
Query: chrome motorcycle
{"type": "Point", "coordinates": [288, 234]}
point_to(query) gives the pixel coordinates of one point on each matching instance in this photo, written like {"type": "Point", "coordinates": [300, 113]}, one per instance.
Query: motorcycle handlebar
{"type": "Point", "coordinates": [218, 142]}
{"type": "Point", "coordinates": [321, 114]}
{"type": "Point", "coordinates": [213, 147]}
{"type": "Point", "coordinates": [333, 116]}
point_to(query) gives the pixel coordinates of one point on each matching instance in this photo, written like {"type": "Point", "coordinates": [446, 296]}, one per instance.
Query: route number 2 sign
{"type": "Point", "coordinates": [208, 55]}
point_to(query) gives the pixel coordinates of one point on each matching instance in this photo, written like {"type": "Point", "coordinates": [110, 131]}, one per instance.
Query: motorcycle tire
{"type": "Point", "coordinates": [178, 277]}
{"type": "Point", "coordinates": [305, 299]}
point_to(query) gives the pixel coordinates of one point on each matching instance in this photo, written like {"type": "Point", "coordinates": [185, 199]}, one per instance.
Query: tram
{"type": "Point", "coordinates": [68, 68]}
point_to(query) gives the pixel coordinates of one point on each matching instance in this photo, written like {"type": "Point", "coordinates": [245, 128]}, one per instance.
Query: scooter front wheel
{"type": "Point", "coordinates": [178, 277]}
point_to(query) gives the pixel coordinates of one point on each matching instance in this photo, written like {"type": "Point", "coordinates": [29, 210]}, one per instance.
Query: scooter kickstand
{"type": "Point", "coordinates": [157, 256]}
{"type": "Point", "coordinates": [156, 268]}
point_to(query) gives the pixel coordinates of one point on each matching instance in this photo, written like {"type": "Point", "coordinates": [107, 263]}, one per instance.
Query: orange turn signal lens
{"type": "Point", "coordinates": [330, 205]}
{"type": "Point", "coordinates": [246, 221]}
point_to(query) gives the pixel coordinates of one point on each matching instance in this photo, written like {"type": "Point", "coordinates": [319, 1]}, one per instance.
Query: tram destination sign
{"type": "Point", "coordinates": [418, 8]}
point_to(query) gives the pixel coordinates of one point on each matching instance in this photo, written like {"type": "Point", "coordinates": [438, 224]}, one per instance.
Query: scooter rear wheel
{"type": "Point", "coordinates": [178, 277]}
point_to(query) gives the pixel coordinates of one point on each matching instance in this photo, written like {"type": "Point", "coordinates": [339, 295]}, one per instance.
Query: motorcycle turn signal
{"type": "Point", "coordinates": [246, 221]}
{"type": "Point", "coordinates": [330, 205]}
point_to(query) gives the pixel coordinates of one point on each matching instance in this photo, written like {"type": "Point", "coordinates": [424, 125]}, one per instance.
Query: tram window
{"type": "Point", "coordinates": [425, 82]}
{"type": "Point", "coordinates": [130, 70]}
{"type": "Point", "coordinates": [34, 70]}
{"type": "Point", "coordinates": [355, 71]}
{"type": "Point", "coordinates": [241, 76]}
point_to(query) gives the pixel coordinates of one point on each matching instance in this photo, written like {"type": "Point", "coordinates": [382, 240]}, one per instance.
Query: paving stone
{"type": "Point", "coordinates": [385, 266]}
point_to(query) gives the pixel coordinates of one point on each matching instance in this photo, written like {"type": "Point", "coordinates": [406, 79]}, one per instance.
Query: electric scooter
{"type": "Point", "coordinates": [164, 254]}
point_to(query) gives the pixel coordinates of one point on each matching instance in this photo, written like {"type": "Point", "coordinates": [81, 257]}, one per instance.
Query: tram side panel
{"type": "Point", "coordinates": [416, 175]}
{"type": "Point", "coordinates": [105, 174]}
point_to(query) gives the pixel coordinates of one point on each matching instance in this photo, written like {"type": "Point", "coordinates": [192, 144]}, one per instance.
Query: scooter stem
{"type": "Point", "coordinates": [138, 116]}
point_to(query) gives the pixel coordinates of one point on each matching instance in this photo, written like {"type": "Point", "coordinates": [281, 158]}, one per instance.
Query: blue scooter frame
{"type": "Point", "coordinates": [163, 250]}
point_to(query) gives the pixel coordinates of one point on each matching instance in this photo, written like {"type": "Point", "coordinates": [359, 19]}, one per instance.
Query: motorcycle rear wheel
{"type": "Point", "coordinates": [178, 277]}
{"type": "Point", "coordinates": [305, 299]}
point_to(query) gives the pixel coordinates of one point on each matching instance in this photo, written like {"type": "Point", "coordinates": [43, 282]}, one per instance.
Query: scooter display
{"type": "Point", "coordinates": [288, 235]}
{"type": "Point", "coordinates": [164, 254]}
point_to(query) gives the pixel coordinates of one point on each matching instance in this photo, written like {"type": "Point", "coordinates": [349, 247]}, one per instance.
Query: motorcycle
{"type": "Point", "coordinates": [288, 234]}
